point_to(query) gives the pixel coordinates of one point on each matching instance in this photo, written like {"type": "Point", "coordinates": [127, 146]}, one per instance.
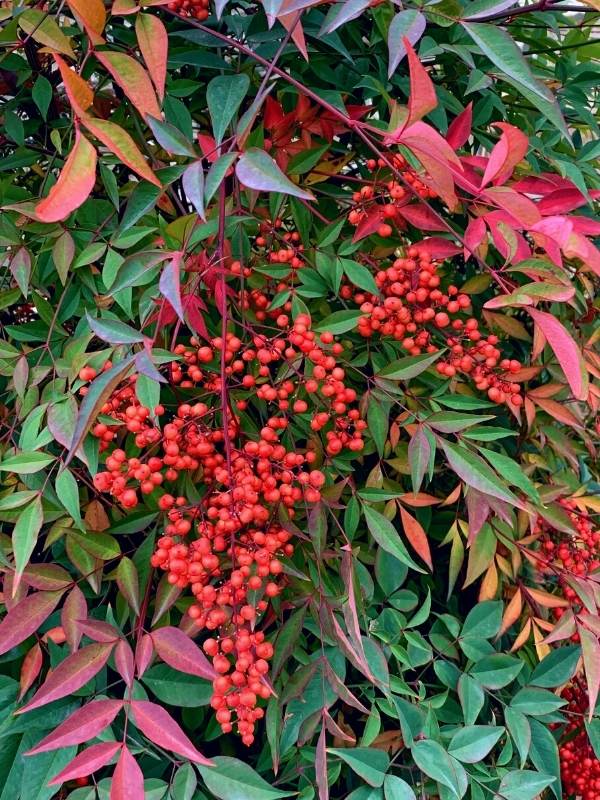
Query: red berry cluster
{"type": "Point", "coordinates": [227, 548]}
{"type": "Point", "coordinates": [389, 194]}
{"type": "Point", "coordinates": [579, 553]}
{"type": "Point", "coordinates": [412, 308]}
{"type": "Point", "coordinates": [579, 766]}
{"type": "Point", "coordinates": [198, 9]}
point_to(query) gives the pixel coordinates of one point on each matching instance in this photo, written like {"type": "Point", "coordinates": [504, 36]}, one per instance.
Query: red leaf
{"type": "Point", "coordinates": [422, 97]}
{"type": "Point", "coordinates": [561, 201]}
{"type": "Point", "coordinates": [566, 351]}
{"type": "Point", "coordinates": [170, 285]}
{"type": "Point", "coordinates": [523, 210]}
{"type": "Point", "coordinates": [438, 247]}
{"type": "Point", "coordinates": [143, 654]}
{"type": "Point", "coordinates": [25, 618]}
{"type": "Point", "coordinates": [460, 128]}
{"type": "Point", "coordinates": [74, 183]}
{"type": "Point", "coordinates": [422, 217]}
{"type": "Point", "coordinates": [73, 611]}
{"type": "Point", "coordinates": [178, 651]}
{"type": "Point", "coordinates": [507, 153]}
{"type": "Point", "coordinates": [128, 779]}
{"type": "Point", "coordinates": [88, 761]}
{"type": "Point", "coordinates": [30, 668]}
{"type": "Point", "coordinates": [124, 661]}
{"type": "Point", "coordinates": [154, 46]}
{"type": "Point", "coordinates": [81, 726]}
{"type": "Point", "coordinates": [416, 536]}
{"type": "Point", "coordinates": [590, 648]}
{"type": "Point", "coordinates": [70, 675]}
{"type": "Point", "coordinates": [474, 235]}
{"type": "Point", "coordinates": [158, 726]}
{"type": "Point", "coordinates": [133, 79]}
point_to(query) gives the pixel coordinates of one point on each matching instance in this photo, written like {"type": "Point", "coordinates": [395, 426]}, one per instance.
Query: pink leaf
{"type": "Point", "coordinates": [321, 766]}
{"type": "Point", "coordinates": [474, 235]}
{"type": "Point", "coordinates": [517, 205]}
{"type": "Point", "coordinates": [88, 761]}
{"type": "Point", "coordinates": [170, 285]}
{"type": "Point", "coordinates": [70, 675]}
{"type": "Point", "coordinates": [158, 726]}
{"type": "Point", "coordinates": [180, 652]}
{"type": "Point", "coordinates": [124, 661]}
{"type": "Point", "coordinates": [408, 24]}
{"type": "Point", "coordinates": [510, 150]}
{"type": "Point", "coordinates": [460, 128]}
{"type": "Point", "coordinates": [143, 654]}
{"type": "Point", "coordinates": [73, 611]}
{"type": "Point", "coordinates": [590, 648]}
{"type": "Point", "coordinates": [128, 779]}
{"type": "Point", "coordinates": [81, 726]}
{"type": "Point", "coordinates": [74, 183]}
{"type": "Point", "coordinates": [566, 351]}
{"type": "Point", "coordinates": [25, 618]}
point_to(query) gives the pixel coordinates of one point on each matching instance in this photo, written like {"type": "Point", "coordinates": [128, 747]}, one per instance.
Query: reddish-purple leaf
{"type": "Point", "coordinates": [30, 669]}
{"type": "Point", "coordinates": [73, 611]}
{"type": "Point", "coordinates": [144, 651]}
{"type": "Point", "coordinates": [48, 577]}
{"type": "Point", "coordinates": [566, 351]}
{"type": "Point", "coordinates": [20, 267]}
{"type": "Point", "coordinates": [98, 631]}
{"type": "Point", "coordinates": [408, 24]}
{"type": "Point", "coordinates": [124, 661]}
{"type": "Point", "coordinates": [70, 675]}
{"type": "Point", "coordinates": [321, 766]}
{"type": "Point", "coordinates": [180, 652]}
{"type": "Point", "coordinates": [88, 761]}
{"type": "Point", "coordinates": [74, 183]}
{"type": "Point", "coordinates": [350, 609]}
{"type": "Point", "coordinates": [257, 170]}
{"type": "Point", "coordinates": [158, 726]}
{"type": "Point", "coordinates": [25, 618]}
{"type": "Point", "coordinates": [170, 284]}
{"type": "Point", "coordinates": [460, 128]}
{"type": "Point", "coordinates": [193, 186]}
{"type": "Point", "coordinates": [128, 779]}
{"type": "Point", "coordinates": [81, 726]}
{"type": "Point", "coordinates": [419, 453]}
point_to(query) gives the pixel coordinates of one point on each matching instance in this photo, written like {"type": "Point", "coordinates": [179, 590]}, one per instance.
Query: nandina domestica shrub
{"type": "Point", "coordinates": [300, 388]}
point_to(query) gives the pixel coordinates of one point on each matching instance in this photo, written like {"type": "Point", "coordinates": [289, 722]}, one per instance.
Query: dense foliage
{"type": "Point", "coordinates": [299, 378]}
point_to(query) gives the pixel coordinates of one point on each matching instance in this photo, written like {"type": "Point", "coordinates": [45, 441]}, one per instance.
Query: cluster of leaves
{"type": "Point", "coordinates": [172, 175]}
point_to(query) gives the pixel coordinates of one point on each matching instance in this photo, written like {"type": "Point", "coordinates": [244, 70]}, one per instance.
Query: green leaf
{"type": "Point", "coordinates": [472, 743]}
{"type": "Point", "coordinates": [370, 764]}
{"type": "Point", "coordinates": [512, 471]}
{"type": "Point", "coordinates": [406, 368]}
{"type": "Point", "coordinates": [387, 537]}
{"type": "Point", "coordinates": [42, 94]}
{"type": "Point", "coordinates": [593, 731]}
{"type": "Point", "coordinates": [184, 783]}
{"type": "Point", "coordinates": [26, 463]}
{"type": "Point", "coordinates": [520, 730]}
{"type": "Point", "coordinates": [523, 784]}
{"type": "Point", "coordinates": [557, 667]}
{"type": "Point", "coordinates": [216, 175]}
{"type": "Point", "coordinates": [339, 322]}
{"type": "Point", "coordinates": [128, 582]}
{"type": "Point", "coordinates": [257, 170]}
{"type": "Point", "coordinates": [16, 500]}
{"type": "Point", "coordinates": [169, 137]}
{"type": "Point", "coordinates": [360, 276]}
{"type": "Point", "coordinates": [378, 420]}
{"type": "Point", "coordinates": [113, 331]}
{"type": "Point", "coordinates": [476, 473]}
{"type": "Point", "coordinates": [454, 421]}
{"type": "Point", "coordinates": [100, 545]}
{"type": "Point", "coordinates": [483, 620]}
{"type": "Point", "coordinates": [25, 534]}
{"type": "Point", "coordinates": [497, 671]}
{"type": "Point", "coordinates": [431, 758]}
{"type": "Point", "coordinates": [395, 788]}
{"type": "Point", "coordinates": [176, 689]}
{"type": "Point", "coordinates": [224, 95]}
{"type": "Point", "coordinates": [231, 779]}
{"type": "Point", "coordinates": [67, 492]}
{"type": "Point", "coordinates": [544, 754]}
{"type": "Point", "coordinates": [536, 702]}
{"type": "Point", "coordinates": [471, 696]}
